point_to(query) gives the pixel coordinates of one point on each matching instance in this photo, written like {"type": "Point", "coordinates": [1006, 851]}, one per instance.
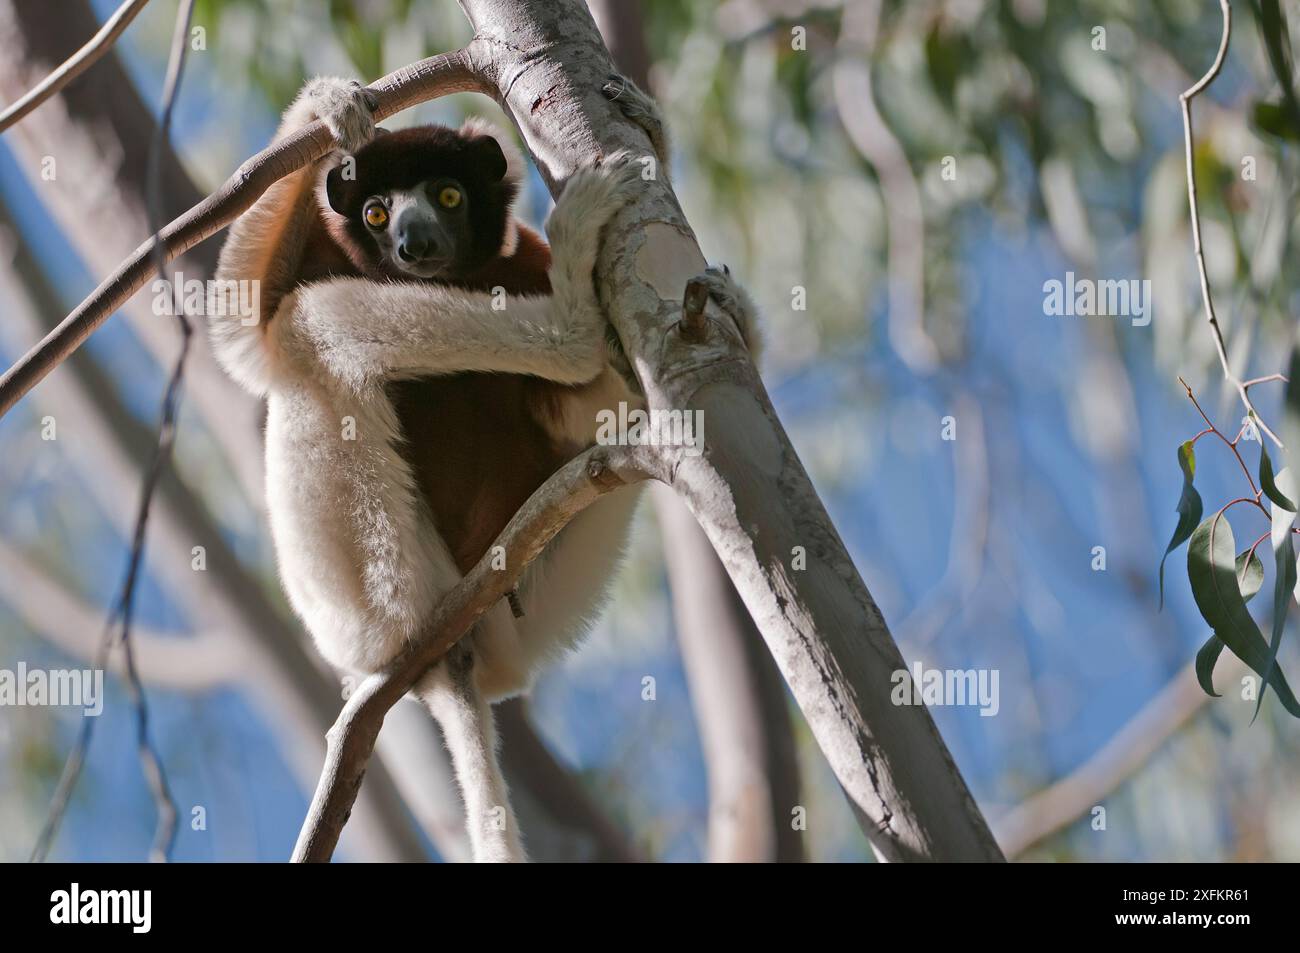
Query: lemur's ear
{"type": "Point", "coordinates": [336, 190]}
{"type": "Point", "coordinates": [474, 130]}
{"type": "Point", "coordinates": [487, 156]}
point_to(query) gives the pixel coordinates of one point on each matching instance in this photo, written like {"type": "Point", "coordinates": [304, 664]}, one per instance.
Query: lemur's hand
{"type": "Point", "coordinates": [638, 106]}
{"type": "Point", "coordinates": [592, 196]}
{"type": "Point", "coordinates": [346, 107]}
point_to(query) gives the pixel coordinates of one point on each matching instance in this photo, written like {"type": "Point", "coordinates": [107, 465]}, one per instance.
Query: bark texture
{"type": "Point", "coordinates": [749, 490]}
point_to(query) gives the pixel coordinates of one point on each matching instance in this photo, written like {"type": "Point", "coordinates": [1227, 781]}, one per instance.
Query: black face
{"type": "Point", "coordinates": [422, 231]}
{"type": "Point", "coordinates": [428, 202]}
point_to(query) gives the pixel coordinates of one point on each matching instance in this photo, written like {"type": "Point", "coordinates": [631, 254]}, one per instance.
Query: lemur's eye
{"type": "Point", "coordinates": [449, 197]}
{"type": "Point", "coordinates": [376, 216]}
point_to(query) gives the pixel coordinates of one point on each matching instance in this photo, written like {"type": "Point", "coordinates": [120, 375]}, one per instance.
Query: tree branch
{"type": "Point", "coordinates": [352, 739]}
{"type": "Point", "coordinates": [104, 131]}
{"type": "Point", "coordinates": [1185, 102]}
{"type": "Point", "coordinates": [435, 76]}
{"type": "Point", "coordinates": [75, 65]}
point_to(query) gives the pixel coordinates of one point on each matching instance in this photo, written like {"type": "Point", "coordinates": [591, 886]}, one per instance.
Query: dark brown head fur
{"type": "Point", "coordinates": [403, 160]}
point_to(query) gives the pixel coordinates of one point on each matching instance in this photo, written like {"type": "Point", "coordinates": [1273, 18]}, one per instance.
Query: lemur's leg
{"type": "Point", "coordinates": [452, 696]}
{"type": "Point", "coordinates": [735, 302]}
{"type": "Point", "coordinates": [638, 106]}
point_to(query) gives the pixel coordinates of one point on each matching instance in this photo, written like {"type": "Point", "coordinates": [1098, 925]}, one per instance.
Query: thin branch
{"type": "Point", "coordinates": [75, 65]}
{"type": "Point", "coordinates": [352, 739]}
{"type": "Point", "coordinates": [436, 76]}
{"type": "Point", "coordinates": [1185, 101]}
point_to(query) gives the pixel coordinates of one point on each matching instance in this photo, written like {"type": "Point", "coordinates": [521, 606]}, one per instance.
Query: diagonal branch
{"type": "Point", "coordinates": [435, 76]}
{"type": "Point", "coordinates": [75, 65]}
{"type": "Point", "coordinates": [351, 741]}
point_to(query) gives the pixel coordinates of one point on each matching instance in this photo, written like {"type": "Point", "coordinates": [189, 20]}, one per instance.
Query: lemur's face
{"type": "Point", "coordinates": [427, 203]}
{"type": "Point", "coordinates": [422, 231]}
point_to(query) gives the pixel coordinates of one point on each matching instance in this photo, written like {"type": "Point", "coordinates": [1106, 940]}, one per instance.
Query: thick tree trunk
{"type": "Point", "coordinates": [749, 490]}
{"type": "Point", "coordinates": [736, 692]}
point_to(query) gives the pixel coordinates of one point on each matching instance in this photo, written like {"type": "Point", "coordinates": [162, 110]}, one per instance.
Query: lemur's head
{"type": "Point", "coordinates": [427, 202]}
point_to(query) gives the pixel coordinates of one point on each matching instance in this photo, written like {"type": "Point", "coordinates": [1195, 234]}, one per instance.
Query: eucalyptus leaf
{"type": "Point", "coordinates": [1250, 576]}
{"type": "Point", "coordinates": [1284, 579]}
{"type": "Point", "coordinates": [1276, 120]}
{"type": "Point", "coordinates": [1189, 509]}
{"type": "Point", "coordinates": [1206, 659]}
{"type": "Point", "coordinates": [1268, 484]}
{"type": "Point", "coordinates": [1212, 572]}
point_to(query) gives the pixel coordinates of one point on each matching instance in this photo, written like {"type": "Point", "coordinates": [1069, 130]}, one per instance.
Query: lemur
{"type": "Point", "coordinates": [427, 363]}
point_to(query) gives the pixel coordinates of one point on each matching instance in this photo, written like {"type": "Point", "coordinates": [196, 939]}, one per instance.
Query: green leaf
{"type": "Point", "coordinates": [1189, 509]}
{"type": "Point", "coordinates": [1267, 482]}
{"type": "Point", "coordinates": [1212, 571]}
{"type": "Point", "coordinates": [1277, 41]}
{"type": "Point", "coordinates": [1249, 577]}
{"type": "Point", "coordinates": [1206, 659]}
{"type": "Point", "coordinates": [1276, 120]}
{"type": "Point", "coordinates": [1284, 580]}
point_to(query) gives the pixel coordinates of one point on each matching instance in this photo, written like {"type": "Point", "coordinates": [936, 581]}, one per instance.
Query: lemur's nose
{"type": "Point", "coordinates": [412, 249]}
{"type": "Point", "coordinates": [415, 240]}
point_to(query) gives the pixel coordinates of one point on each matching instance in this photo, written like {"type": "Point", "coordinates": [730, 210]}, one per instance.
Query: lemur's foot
{"type": "Point", "coordinates": [735, 302]}
{"type": "Point", "coordinates": [638, 106]}
{"type": "Point", "coordinates": [347, 108]}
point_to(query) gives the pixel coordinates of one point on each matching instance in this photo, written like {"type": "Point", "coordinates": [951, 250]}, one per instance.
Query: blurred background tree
{"type": "Point", "coordinates": [895, 182]}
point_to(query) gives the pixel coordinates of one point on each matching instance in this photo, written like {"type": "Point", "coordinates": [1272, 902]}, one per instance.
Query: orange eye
{"type": "Point", "coordinates": [449, 197]}
{"type": "Point", "coordinates": [376, 216]}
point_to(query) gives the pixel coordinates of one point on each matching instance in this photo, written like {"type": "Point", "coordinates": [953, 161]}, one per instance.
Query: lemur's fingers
{"type": "Point", "coordinates": [347, 108]}
{"type": "Point", "coordinates": [591, 198]}
{"type": "Point", "coordinates": [736, 304]}
{"type": "Point", "coordinates": [640, 108]}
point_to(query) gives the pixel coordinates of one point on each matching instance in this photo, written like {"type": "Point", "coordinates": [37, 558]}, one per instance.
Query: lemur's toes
{"type": "Point", "coordinates": [347, 109]}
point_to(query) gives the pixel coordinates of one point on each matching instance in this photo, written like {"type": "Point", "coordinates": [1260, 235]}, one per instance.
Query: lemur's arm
{"type": "Point", "coordinates": [361, 330]}
{"type": "Point", "coordinates": [266, 242]}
